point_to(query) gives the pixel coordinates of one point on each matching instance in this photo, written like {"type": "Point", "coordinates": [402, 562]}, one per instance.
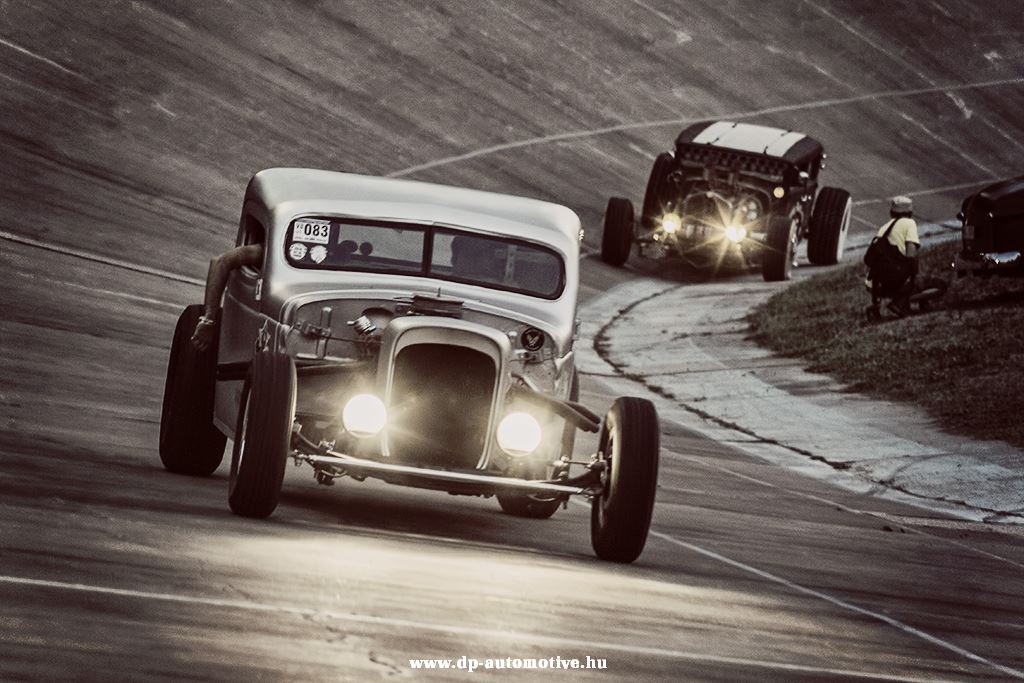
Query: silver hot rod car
{"type": "Point", "coordinates": [410, 332]}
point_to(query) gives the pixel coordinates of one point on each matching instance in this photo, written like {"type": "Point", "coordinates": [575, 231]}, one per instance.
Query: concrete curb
{"type": "Point", "coordinates": [685, 347]}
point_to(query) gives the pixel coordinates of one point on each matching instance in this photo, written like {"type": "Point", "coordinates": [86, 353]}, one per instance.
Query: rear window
{"type": "Point", "coordinates": [439, 253]}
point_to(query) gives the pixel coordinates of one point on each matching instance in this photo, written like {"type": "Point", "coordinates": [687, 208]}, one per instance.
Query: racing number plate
{"type": "Point", "coordinates": [311, 231]}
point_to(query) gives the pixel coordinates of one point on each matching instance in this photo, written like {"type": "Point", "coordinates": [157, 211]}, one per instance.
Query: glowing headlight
{"type": "Point", "coordinates": [779, 192]}
{"type": "Point", "coordinates": [670, 223]}
{"type": "Point", "coordinates": [364, 415]}
{"type": "Point", "coordinates": [519, 434]}
{"type": "Point", "coordinates": [735, 233]}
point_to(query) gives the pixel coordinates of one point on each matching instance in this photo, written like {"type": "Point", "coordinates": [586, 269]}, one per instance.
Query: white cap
{"type": "Point", "coordinates": [902, 204]}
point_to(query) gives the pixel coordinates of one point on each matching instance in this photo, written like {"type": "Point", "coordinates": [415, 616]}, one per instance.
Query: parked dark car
{"type": "Point", "coordinates": [993, 230]}
{"type": "Point", "coordinates": [734, 192]}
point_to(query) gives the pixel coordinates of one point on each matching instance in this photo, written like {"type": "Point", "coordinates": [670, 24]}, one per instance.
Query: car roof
{"type": "Point", "coordinates": [300, 190]}
{"type": "Point", "coordinates": [777, 143]}
{"type": "Point", "coordinates": [1005, 189]}
{"type": "Point", "coordinates": [1002, 198]}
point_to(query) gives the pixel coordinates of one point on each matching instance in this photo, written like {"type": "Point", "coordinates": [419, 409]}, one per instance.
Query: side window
{"type": "Point", "coordinates": [253, 233]}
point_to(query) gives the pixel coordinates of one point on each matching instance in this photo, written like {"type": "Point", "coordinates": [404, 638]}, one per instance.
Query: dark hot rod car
{"type": "Point", "coordinates": [737, 192]}
{"type": "Point", "coordinates": [993, 230]}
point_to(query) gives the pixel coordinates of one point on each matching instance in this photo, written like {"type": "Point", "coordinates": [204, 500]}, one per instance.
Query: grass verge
{"type": "Point", "coordinates": [963, 362]}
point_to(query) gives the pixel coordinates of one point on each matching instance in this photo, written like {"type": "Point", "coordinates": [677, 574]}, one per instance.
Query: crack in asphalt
{"type": "Point", "coordinates": [392, 669]}
{"type": "Point", "coordinates": [338, 635]}
{"type": "Point", "coordinates": [890, 483]}
{"type": "Point", "coordinates": [993, 513]}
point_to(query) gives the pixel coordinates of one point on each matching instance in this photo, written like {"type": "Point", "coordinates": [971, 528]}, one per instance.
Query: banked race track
{"type": "Point", "coordinates": [128, 131]}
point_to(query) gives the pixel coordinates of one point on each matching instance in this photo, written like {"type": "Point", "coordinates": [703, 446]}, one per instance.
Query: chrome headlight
{"type": "Point", "coordinates": [364, 415]}
{"type": "Point", "coordinates": [519, 434]}
{"type": "Point", "coordinates": [751, 211]}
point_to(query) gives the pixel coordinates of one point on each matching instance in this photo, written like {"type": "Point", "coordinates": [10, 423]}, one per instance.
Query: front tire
{"type": "Point", "coordinates": [618, 231]}
{"type": "Point", "coordinates": [262, 435]}
{"type": "Point", "coordinates": [830, 223]}
{"type": "Point", "coordinates": [780, 249]}
{"type": "Point", "coordinates": [189, 442]}
{"type": "Point", "coordinates": [620, 517]}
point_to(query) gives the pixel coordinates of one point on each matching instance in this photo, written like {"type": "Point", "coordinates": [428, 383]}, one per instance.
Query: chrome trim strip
{"type": "Point", "coordinates": [987, 261]}
{"type": "Point", "coordinates": [1002, 258]}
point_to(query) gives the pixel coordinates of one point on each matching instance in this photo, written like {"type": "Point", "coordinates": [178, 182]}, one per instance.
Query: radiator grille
{"type": "Point", "coordinates": [732, 160]}
{"type": "Point", "coordinates": [440, 405]}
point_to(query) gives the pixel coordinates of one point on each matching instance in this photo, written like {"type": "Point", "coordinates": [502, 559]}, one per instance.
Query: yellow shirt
{"type": "Point", "coordinates": [904, 231]}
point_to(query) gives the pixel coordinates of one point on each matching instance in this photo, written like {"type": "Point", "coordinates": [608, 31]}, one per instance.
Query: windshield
{"type": "Point", "coordinates": [440, 253]}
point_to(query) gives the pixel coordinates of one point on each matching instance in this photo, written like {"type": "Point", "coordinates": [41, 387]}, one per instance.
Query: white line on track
{"type": "Point", "coordinates": [931, 190]}
{"type": "Point", "coordinates": [592, 132]}
{"type": "Point", "coordinates": [895, 623]}
{"type": "Point", "coordinates": [97, 258]}
{"type": "Point", "coordinates": [656, 12]}
{"type": "Point", "coordinates": [60, 284]}
{"type": "Point", "coordinates": [41, 58]}
{"type": "Point", "coordinates": [120, 295]}
{"type": "Point", "coordinates": [863, 221]}
{"type": "Point", "coordinates": [837, 602]}
{"type": "Point", "coordinates": [452, 629]}
{"type": "Point", "coordinates": [846, 508]}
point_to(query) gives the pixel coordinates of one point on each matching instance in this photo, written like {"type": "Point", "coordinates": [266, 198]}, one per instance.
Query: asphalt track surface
{"type": "Point", "coordinates": [128, 131]}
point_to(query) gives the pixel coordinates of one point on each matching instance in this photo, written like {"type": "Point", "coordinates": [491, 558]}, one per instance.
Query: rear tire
{"type": "Point", "coordinates": [618, 231]}
{"type": "Point", "coordinates": [656, 182]}
{"type": "Point", "coordinates": [777, 262]}
{"type": "Point", "coordinates": [620, 517]}
{"type": "Point", "coordinates": [830, 223]}
{"type": "Point", "coordinates": [262, 435]}
{"type": "Point", "coordinates": [189, 442]}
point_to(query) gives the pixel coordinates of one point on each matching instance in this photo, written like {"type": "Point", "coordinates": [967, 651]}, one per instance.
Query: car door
{"type": "Point", "coordinates": [239, 326]}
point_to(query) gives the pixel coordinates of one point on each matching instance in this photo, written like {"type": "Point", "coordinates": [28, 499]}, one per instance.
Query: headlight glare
{"type": "Point", "coordinates": [519, 434]}
{"type": "Point", "coordinates": [670, 223]}
{"type": "Point", "coordinates": [779, 192]}
{"type": "Point", "coordinates": [735, 233]}
{"type": "Point", "coordinates": [364, 415]}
